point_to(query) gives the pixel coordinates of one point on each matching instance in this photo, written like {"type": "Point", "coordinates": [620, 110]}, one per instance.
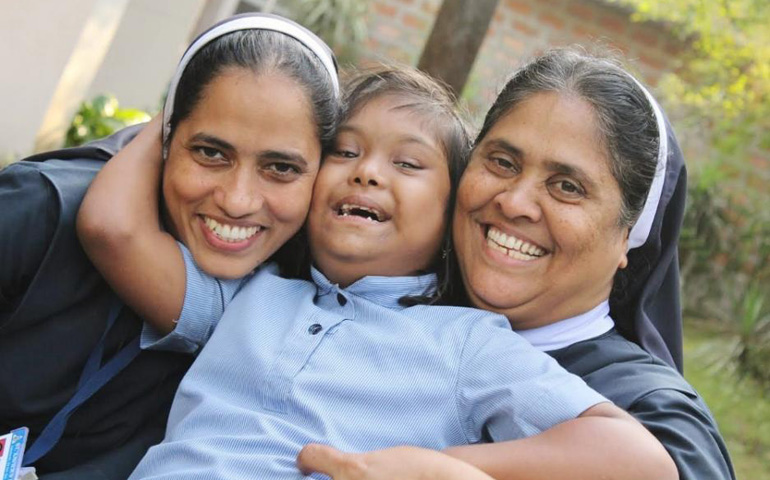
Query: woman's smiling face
{"type": "Point", "coordinates": [536, 222]}
{"type": "Point", "coordinates": [240, 171]}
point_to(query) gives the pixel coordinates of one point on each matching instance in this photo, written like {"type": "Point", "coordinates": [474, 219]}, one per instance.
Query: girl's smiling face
{"type": "Point", "coordinates": [536, 226]}
{"type": "Point", "coordinates": [379, 204]}
{"type": "Point", "coordinates": [240, 170]}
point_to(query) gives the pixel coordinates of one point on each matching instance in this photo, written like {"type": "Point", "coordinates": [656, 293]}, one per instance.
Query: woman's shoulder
{"type": "Point", "coordinates": [623, 371]}
{"type": "Point", "coordinates": [657, 396]}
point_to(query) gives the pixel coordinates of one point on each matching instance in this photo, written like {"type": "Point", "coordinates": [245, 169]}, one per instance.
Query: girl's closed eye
{"type": "Point", "coordinates": [345, 153]}
{"type": "Point", "coordinates": [407, 164]}
{"type": "Point", "coordinates": [346, 147]}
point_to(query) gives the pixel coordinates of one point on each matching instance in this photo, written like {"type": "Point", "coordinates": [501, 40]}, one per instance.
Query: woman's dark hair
{"type": "Point", "coordinates": [261, 51]}
{"type": "Point", "coordinates": [433, 101]}
{"type": "Point", "coordinates": [625, 118]}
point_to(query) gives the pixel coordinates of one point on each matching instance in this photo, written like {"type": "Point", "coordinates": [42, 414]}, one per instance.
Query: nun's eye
{"type": "Point", "coordinates": [566, 189]}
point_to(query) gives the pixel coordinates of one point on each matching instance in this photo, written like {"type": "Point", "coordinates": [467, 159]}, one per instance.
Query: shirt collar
{"type": "Point", "coordinates": [384, 291]}
{"type": "Point", "coordinates": [567, 332]}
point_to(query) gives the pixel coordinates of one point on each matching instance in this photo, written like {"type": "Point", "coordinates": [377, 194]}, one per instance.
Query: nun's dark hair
{"type": "Point", "coordinates": [261, 51]}
{"type": "Point", "coordinates": [435, 104]}
{"type": "Point", "coordinates": [624, 116]}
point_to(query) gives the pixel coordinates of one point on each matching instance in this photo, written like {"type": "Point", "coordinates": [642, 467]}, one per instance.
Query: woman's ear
{"type": "Point", "coordinates": [623, 262]}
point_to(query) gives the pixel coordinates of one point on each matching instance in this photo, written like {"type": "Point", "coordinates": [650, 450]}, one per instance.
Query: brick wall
{"type": "Point", "coordinates": [520, 29]}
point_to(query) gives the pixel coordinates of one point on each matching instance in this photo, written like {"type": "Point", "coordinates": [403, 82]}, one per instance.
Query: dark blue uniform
{"type": "Point", "coordinates": [53, 312]}
{"type": "Point", "coordinates": [658, 397]}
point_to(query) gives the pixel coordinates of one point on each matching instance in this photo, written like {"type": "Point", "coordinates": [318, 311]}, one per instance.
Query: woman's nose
{"type": "Point", "coordinates": [239, 196]}
{"type": "Point", "coordinates": [519, 200]}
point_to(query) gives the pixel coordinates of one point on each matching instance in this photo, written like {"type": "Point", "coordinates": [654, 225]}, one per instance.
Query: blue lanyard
{"type": "Point", "coordinates": [91, 380]}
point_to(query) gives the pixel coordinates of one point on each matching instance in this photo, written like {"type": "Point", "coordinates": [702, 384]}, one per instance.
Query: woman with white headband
{"type": "Point", "coordinates": [566, 222]}
{"type": "Point", "coordinates": [253, 101]}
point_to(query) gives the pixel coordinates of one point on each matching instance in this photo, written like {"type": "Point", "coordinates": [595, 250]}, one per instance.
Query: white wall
{"type": "Point", "coordinates": [147, 46]}
{"type": "Point", "coordinates": [36, 40]}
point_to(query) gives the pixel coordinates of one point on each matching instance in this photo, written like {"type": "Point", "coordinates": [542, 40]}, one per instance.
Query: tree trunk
{"type": "Point", "coordinates": [454, 42]}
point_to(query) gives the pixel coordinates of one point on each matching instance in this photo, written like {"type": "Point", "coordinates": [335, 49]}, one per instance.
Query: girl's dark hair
{"type": "Point", "coordinates": [433, 101]}
{"type": "Point", "coordinates": [626, 120]}
{"type": "Point", "coordinates": [263, 51]}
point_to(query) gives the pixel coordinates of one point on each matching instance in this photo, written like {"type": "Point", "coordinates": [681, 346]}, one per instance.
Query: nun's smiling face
{"type": "Point", "coordinates": [240, 171]}
{"type": "Point", "coordinates": [536, 222]}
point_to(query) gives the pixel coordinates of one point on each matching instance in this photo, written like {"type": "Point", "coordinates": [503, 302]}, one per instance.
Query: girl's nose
{"type": "Point", "coordinates": [368, 172]}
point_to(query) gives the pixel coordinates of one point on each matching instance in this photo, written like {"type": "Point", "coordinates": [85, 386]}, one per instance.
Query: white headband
{"type": "Point", "coordinates": [249, 22]}
{"type": "Point", "coordinates": [641, 229]}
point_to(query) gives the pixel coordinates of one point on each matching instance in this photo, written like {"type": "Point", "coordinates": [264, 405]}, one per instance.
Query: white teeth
{"type": "Point", "coordinates": [346, 209]}
{"type": "Point", "coordinates": [230, 233]}
{"type": "Point", "coordinates": [512, 246]}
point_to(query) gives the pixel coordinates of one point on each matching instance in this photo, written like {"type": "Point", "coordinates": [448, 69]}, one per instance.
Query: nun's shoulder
{"type": "Point", "coordinates": [622, 371]}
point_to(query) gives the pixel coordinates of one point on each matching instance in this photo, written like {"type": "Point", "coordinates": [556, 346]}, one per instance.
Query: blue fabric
{"type": "Point", "coordinates": [293, 362]}
{"type": "Point", "coordinates": [205, 301]}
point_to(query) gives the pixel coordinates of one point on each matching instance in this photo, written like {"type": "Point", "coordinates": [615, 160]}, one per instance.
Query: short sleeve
{"type": "Point", "coordinates": [205, 300]}
{"type": "Point", "coordinates": [27, 225]}
{"type": "Point", "coordinates": [687, 431]}
{"type": "Point", "coordinates": [509, 390]}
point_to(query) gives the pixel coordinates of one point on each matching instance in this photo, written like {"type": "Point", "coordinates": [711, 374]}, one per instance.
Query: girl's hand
{"type": "Point", "coordinates": [402, 463]}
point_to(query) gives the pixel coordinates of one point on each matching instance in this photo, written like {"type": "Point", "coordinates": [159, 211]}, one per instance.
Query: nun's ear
{"type": "Point", "coordinates": [623, 261]}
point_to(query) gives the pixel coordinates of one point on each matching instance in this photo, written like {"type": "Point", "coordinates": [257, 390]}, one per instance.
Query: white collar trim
{"type": "Point", "coordinates": [564, 333]}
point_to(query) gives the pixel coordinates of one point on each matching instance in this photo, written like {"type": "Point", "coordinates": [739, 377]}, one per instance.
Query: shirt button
{"type": "Point", "coordinates": [341, 298]}
{"type": "Point", "coordinates": [314, 328]}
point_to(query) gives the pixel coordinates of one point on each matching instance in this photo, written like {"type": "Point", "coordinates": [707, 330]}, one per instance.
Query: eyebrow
{"type": "Point", "coordinates": [211, 139]}
{"type": "Point", "coordinates": [504, 145]}
{"type": "Point", "coordinates": [265, 154]}
{"type": "Point", "coordinates": [282, 155]}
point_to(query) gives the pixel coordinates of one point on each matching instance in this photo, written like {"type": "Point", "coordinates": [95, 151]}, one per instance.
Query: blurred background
{"type": "Point", "coordinates": [76, 70]}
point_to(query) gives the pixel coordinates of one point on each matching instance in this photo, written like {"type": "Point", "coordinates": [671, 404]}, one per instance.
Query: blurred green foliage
{"type": "Point", "coordinates": [100, 117]}
{"type": "Point", "coordinates": [725, 265]}
{"type": "Point", "coordinates": [340, 23]}
{"type": "Point", "coordinates": [740, 405]}
{"type": "Point", "coordinates": [721, 99]}
{"type": "Point", "coordinates": [725, 79]}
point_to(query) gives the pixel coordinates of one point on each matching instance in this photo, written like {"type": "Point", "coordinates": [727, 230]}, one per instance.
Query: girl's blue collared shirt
{"type": "Point", "coordinates": [293, 362]}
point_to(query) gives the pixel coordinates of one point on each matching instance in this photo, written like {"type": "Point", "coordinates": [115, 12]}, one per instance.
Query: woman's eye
{"type": "Point", "coordinates": [568, 189]}
{"type": "Point", "coordinates": [502, 163]}
{"type": "Point", "coordinates": [283, 169]}
{"type": "Point", "coordinates": [209, 154]}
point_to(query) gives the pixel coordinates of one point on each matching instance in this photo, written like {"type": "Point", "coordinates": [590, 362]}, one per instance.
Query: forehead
{"type": "Point", "coordinates": [393, 114]}
{"type": "Point", "coordinates": [554, 128]}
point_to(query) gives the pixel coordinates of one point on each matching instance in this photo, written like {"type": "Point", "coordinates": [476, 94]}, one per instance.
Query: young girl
{"type": "Point", "coordinates": [341, 359]}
